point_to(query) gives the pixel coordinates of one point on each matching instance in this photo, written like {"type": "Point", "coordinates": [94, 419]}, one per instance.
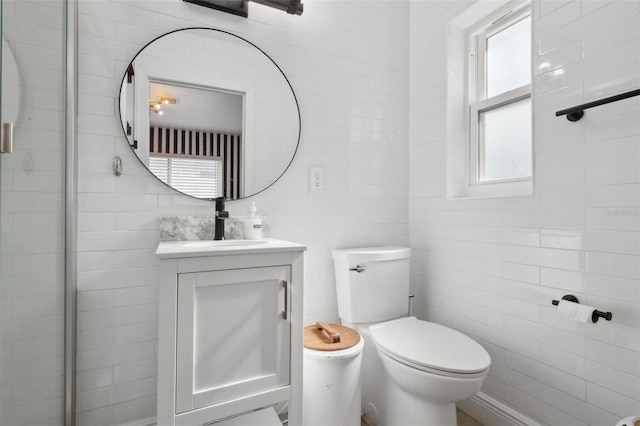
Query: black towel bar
{"type": "Point", "coordinates": [575, 113]}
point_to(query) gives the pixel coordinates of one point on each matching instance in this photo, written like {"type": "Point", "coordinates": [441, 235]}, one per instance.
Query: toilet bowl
{"type": "Point", "coordinates": [430, 368]}
{"type": "Point", "coordinates": [413, 371]}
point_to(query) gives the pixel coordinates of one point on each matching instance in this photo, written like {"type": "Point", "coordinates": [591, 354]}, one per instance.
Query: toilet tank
{"type": "Point", "coordinates": [379, 292]}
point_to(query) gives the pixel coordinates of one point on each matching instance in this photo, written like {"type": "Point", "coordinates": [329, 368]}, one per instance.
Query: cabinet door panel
{"type": "Point", "coordinates": [233, 339]}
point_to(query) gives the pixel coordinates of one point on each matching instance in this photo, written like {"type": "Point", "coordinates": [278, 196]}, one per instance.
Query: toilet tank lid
{"type": "Point", "coordinates": [371, 253]}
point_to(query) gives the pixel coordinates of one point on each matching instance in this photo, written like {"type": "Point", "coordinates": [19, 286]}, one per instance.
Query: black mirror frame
{"type": "Point", "coordinates": [295, 98]}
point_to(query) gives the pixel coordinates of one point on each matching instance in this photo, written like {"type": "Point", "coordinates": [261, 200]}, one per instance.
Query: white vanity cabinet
{"type": "Point", "coordinates": [230, 330]}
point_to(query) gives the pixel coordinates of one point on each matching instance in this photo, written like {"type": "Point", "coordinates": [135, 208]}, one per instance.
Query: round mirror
{"type": "Point", "coordinates": [209, 114]}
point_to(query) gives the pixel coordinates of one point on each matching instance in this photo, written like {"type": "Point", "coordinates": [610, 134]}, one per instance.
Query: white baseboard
{"type": "Point", "coordinates": [147, 421]}
{"type": "Point", "coordinates": [491, 412]}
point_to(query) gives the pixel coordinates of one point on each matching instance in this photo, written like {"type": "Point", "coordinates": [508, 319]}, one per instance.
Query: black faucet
{"type": "Point", "coordinates": [221, 215]}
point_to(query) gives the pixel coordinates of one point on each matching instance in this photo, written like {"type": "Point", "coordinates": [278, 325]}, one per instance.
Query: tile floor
{"type": "Point", "coordinates": [463, 420]}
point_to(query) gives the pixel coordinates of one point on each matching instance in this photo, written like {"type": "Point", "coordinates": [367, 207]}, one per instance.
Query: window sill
{"type": "Point", "coordinates": [495, 190]}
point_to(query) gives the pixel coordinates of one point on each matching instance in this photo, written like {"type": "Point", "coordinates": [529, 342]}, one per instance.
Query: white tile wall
{"type": "Point", "coordinates": [491, 267]}
{"type": "Point", "coordinates": [32, 216]}
{"type": "Point", "coordinates": [348, 64]}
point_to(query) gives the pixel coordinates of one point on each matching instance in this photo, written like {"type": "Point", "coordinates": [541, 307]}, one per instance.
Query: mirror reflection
{"type": "Point", "coordinates": [209, 114]}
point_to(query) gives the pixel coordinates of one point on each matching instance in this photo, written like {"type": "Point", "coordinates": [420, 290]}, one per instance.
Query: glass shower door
{"type": "Point", "coordinates": [32, 212]}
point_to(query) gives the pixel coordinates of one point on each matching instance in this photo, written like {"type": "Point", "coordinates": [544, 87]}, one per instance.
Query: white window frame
{"type": "Point", "coordinates": [194, 191]}
{"type": "Point", "coordinates": [478, 103]}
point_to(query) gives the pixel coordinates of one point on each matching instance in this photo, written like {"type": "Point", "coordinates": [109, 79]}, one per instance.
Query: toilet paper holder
{"type": "Point", "coordinates": [594, 316]}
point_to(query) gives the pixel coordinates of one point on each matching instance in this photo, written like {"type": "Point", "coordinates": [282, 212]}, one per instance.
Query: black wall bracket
{"type": "Point", "coordinates": [235, 7]}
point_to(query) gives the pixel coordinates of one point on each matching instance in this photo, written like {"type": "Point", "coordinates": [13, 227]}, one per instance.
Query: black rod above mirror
{"type": "Point", "coordinates": [240, 7]}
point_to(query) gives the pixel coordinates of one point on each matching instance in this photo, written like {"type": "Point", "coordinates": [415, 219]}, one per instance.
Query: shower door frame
{"type": "Point", "coordinates": [71, 163]}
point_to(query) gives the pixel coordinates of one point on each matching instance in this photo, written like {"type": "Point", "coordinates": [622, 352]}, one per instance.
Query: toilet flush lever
{"type": "Point", "coordinates": [359, 268]}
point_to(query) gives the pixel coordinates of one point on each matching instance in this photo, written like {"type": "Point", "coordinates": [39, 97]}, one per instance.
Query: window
{"type": "Point", "coordinates": [199, 178]}
{"type": "Point", "coordinates": [500, 154]}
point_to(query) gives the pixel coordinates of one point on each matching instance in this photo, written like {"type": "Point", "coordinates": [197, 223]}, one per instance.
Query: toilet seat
{"type": "Point", "coordinates": [431, 348]}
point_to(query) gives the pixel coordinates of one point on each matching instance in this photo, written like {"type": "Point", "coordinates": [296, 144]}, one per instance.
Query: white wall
{"type": "Point", "coordinates": [348, 64]}
{"type": "Point", "coordinates": [490, 268]}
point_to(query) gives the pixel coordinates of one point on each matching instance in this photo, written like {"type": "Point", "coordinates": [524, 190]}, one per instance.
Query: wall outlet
{"type": "Point", "coordinates": [316, 179]}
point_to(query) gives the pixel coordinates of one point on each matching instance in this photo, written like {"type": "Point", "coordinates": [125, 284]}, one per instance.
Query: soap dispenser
{"type": "Point", "coordinates": [253, 224]}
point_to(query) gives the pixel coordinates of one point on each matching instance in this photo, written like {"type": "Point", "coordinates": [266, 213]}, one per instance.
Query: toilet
{"type": "Point", "coordinates": [413, 371]}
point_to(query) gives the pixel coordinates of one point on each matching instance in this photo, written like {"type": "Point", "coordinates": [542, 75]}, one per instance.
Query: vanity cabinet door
{"type": "Point", "coordinates": [233, 335]}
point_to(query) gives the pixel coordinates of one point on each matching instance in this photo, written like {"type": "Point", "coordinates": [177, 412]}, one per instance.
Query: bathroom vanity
{"type": "Point", "coordinates": [230, 329]}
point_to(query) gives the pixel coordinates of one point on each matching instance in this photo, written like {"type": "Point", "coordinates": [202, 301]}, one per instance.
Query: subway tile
{"type": "Point", "coordinates": [558, 379]}
{"type": "Point", "coordinates": [626, 311]}
{"type": "Point", "coordinates": [135, 296]}
{"type": "Point", "coordinates": [529, 293]}
{"type": "Point", "coordinates": [551, 22]}
{"type": "Point", "coordinates": [562, 137]}
{"type": "Point", "coordinates": [620, 265]}
{"type": "Point", "coordinates": [102, 416]}
{"type": "Point", "coordinates": [521, 309]}
{"type": "Point", "coordinates": [567, 341]}
{"type": "Point", "coordinates": [104, 280]}
{"type": "Point", "coordinates": [548, 7]}
{"type": "Point", "coordinates": [611, 83]}
{"type": "Point", "coordinates": [141, 408]}
{"type": "Point", "coordinates": [614, 152]}
{"type": "Point", "coordinates": [92, 399]}
{"type": "Point", "coordinates": [48, 410]}
{"type": "Point", "coordinates": [622, 32]}
{"type": "Point", "coordinates": [94, 339]}
{"type": "Point", "coordinates": [612, 379]}
{"type": "Point", "coordinates": [613, 356]}
{"type": "Point", "coordinates": [614, 218]}
{"type": "Point", "coordinates": [135, 333]}
{"type": "Point", "coordinates": [620, 122]}
{"type": "Point", "coordinates": [609, 400]}
{"type": "Point", "coordinates": [478, 313]}
{"type": "Point", "coordinates": [133, 390]}
{"type": "Point", "coordinates": [557, 58]}
{"type": "Point", "coordinates": [622, 242]}
{"type": "Point", "coordinates": [560, 158]}
{"type": "Point", "coordinates": [522, 273]}
{"type": "Point", "coordinates": [475, 249]}
{"type": "Point", "coordinates": [545, 218]}
{"type": "Point", "coordinates": [116, 355]}
{"type": "Point", "coordinates": [135, 370]}
{"type": "Point", "coordinates": [28, 393]}
{"type": "Point", "coordinates": [516, 379]}
{"type": "Point", "coordinates": [469, 279]}
{"type": "Point", "coordinates": [94, 379]}
{"type": "Point", "coordinates": [588, 24]}
{"type": "Point", "coordinates": [552, 258]}
{"type": "Point", "coordinates": [565, 177]}
{"type": "Point", "coordinates": [622, 172]}
{"type": "Point", "coordinates": [508, 341]}
{"type": "Point", "coordinates": [576, 407]}
{"type": "Point", "coordinates": [619, 288]}
{"type": "Point", "coordinates": [575, 365]}
{"type": "Point", "coordinates": [485, 234]}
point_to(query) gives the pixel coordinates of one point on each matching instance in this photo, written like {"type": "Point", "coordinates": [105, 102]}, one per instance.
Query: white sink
{"type": "Point", "coordinates": [224, 243]}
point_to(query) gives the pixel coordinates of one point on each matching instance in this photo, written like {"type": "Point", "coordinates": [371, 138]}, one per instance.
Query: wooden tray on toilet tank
{"type": "Point", "coordinates": [329, 337]}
